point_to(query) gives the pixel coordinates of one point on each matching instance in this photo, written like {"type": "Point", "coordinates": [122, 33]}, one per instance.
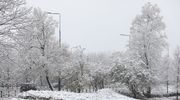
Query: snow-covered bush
{"type": "Point", "coordinates": [133, 75]}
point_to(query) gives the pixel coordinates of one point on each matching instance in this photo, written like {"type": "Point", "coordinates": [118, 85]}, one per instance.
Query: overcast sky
{"type": "Point", "coordinates": [97, 24]}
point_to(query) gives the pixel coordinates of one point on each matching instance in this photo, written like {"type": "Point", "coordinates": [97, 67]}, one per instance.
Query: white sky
{"type": "Point", "coordinates": [97, 24]}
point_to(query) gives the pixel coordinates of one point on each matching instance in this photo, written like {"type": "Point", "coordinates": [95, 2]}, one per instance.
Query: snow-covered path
{"type": "Point", "coordinates": [104, 94]}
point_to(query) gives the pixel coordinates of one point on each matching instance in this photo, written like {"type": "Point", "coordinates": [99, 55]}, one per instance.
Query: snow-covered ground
{"type": "Point", "coordinates": [104, 94]}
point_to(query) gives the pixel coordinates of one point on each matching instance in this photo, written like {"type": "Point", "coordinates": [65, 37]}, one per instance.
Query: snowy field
{"type": "Point", "coordinates": [104, 94]}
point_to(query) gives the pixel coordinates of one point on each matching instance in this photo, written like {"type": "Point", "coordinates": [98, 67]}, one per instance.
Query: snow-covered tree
{"type": "Point", "coordinates": [13, 18]}
{"type": "Point", "coordinates": [59, 59]}
{"type": "Point", "coordinates": [35, 44]}
{"type": "Point", "coordinates": [147, 40]}
{"type": "Point", "coordinates": [99, 66]}
{"type": "Point", "coordinates": [78, 71]}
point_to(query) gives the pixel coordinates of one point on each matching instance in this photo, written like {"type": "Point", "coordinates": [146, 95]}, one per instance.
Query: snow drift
{"type": "Point", "coordinates": [104, 94]}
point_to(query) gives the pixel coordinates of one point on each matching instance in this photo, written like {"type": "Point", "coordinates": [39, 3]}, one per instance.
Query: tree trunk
{"type": "Point", "coordinates": [89, 88]}
{"type": "Point", "coordinates": [102, 83]}
{"type": "Point", "coordinates": [59, 84]}
{"type": "Point", "coordinates": [149, 92]}
{"type": "Point", "coordinates": [148, 67]}
{"type": "Point", "coordinates": [96, 86]}
{"type": "Point", "coordinates": [41, 80]}
{"type": "Point", "coordinates": [50, 86]}
{"type": "Point", "coordinates": [79, 90]}
{"type": "Point", "coordinates": [131, 87]}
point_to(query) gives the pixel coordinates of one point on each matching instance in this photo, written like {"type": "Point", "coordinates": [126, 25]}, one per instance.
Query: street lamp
{"type": "Point", "coordinates": [59, 14]}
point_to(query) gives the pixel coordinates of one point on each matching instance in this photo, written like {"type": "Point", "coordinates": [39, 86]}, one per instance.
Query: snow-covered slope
{"type": "Point", "coordinates": [104, 94]}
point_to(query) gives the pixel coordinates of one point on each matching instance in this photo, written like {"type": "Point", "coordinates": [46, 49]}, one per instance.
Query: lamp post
{"type": "Point", "coordinates": [59, 72]}
{"type": "Point", "coordinates": [59, 14]}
